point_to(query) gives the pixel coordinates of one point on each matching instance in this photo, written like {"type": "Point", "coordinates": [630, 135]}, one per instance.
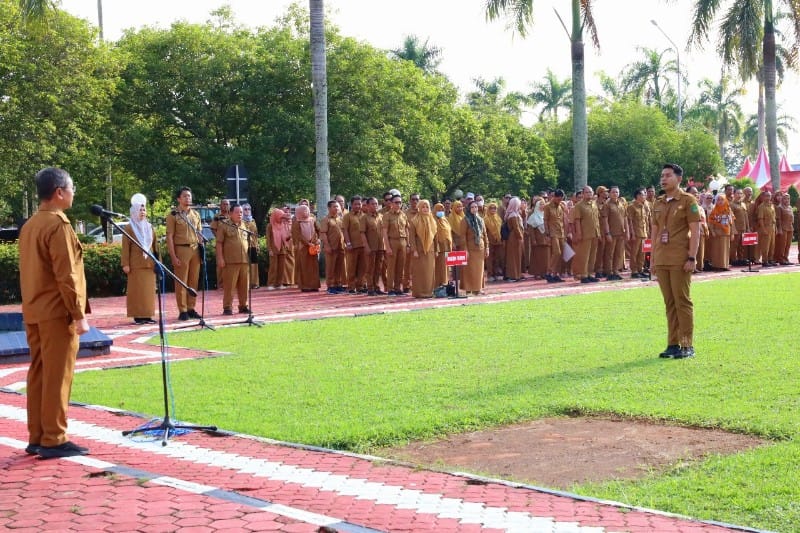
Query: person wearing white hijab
{"type": "Point", "coordinates": [141, 291]}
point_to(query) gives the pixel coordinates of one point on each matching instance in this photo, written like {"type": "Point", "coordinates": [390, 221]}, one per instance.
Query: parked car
{"type": "Point", "coordinates": [100, 236]}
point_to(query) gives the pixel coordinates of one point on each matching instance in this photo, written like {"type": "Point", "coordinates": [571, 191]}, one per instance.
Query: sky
{"type": "Point", "coordinates": [471, 46]}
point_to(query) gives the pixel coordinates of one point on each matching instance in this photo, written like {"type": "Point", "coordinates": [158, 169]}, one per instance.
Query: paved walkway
{"type": "Point", "coordinates": [220, 481]}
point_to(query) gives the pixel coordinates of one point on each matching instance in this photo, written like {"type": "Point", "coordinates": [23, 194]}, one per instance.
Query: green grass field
{"type": "Point", "coordinates": [361, 383]}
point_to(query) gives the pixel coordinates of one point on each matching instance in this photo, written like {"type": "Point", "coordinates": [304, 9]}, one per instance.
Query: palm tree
{"type": "Point", "coordinates": [747, 27]}
{"type": "Point", "coordinates": [36, 10]}
{"type": "Point", "coordinates": [719, 110]}
{"type": "Point", "coordinates": [422, 55]}
{"type": "Point", "coordinates": [521, 13]}
{"type": "Point", "coordinates": [489, 95]}
{"type": "Point", "coordinates": [649, 76]}
{"type": "Point", "coordinates": [552, 95]}
{"type": "Point", "coordinates": [751, 135]}
{"type": "Point", "coordinates": [319, 87]}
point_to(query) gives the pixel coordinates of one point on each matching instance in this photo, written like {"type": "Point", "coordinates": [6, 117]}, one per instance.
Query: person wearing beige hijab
{"type": "Point", "coordinates": [477, 245]}
{"type": "Point", "coordinates": [305, 236]}
{"type": "Point", "coordinates": [421, 237]}
{"type": "Point", "coordinates": [454, 218]}
{"type": "Point", "coordinates": [497, 251]}
{"type": "Point", "coordinates": [140, 296]}
{"type": "Point", "coordinates": [442, 244]}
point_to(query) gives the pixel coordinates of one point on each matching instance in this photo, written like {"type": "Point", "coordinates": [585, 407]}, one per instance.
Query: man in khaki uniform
{"type": "Point", "coordinates": [233, 256]}
{"type": "Point", "coordinates": [638, 225]}
{"type": "Point", "coordinates": [676, 237]}
{"type": "Point", "coordinates": [556, 234]}
{"type": "Point", "coordinates": [741, 224]}
{"type": "Point", "coordinates": [600, 200]}
{"type": "Point", "coordinates": [586, 231]}
{"type": "Point", "coordinates": [616, 233]}
{"type": "Point", "coordinates": [183, 239]}
{"type": "Point", "coordinates": [332, 238]}
{"type": "Point", "coordinates": [371, 231]}
{"type": "Point", "coordinates": [395, 242]}
{"type": "Point", "coordinates": [54, 304]}
{"type": "Point", "coordinates": [765, 226]}
{"type": "Point", "coordinates": [356, 260]}
{"type": "Point", "coordinates": [224, 215]}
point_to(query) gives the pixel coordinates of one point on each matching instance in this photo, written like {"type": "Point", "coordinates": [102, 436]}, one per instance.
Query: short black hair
{"type": "Point", "coordinates": [675, 168]}
{"type": "Point", "coordinates": [180, 191]}
{"type": "Point", "coordinates": [331, 202]}
{"type": "Point", "coordinates": [354, 198]}
{"type": "Point", "coordinates": [559, 193]}
{"type": "Point", "coordinates": [48, 180]}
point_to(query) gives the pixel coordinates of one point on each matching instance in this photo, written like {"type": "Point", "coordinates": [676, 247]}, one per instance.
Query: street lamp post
{"type": "Point", "coordinates": [677, 53]}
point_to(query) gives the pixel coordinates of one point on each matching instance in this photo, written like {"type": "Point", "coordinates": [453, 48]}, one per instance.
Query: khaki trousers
{"type": "Point", "coordinates": [585, 255]}
{"type": "Point", "coordinates": [334, 268]}
{"type": "Point", "coordinates": [556, 249]}
{"type": "Point", "coordinates": [53, 348]}
{"type": "Point", "coordinates": [189, 273]}
{"type": "Point", "coordinates": [675, 285]}
{"type": "Point", "coordinates": [614, 258]}
{"type": "Point", "coordinates": [637, 255]}
{"type": "Point", "coordinates": [766, 246]}
{"type": "Point", "coordinates": [356, 265]}
{"type": "Point", "coordinates": [375, 269]}
{"type": "Point", "coordinates": [235, 275]}
{"type": "Point", "coordinates": [395, 264]}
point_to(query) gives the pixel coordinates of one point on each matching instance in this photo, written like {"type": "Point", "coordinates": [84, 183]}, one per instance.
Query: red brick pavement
{"type": "Point", "coordinates": [204, 482]}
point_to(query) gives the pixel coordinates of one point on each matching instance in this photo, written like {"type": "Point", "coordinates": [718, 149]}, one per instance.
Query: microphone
{"type": "Point", "coordinates": [98, 210]}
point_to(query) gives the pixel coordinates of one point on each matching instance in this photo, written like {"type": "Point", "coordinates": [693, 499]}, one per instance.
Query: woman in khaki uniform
{"type": "Point", "coordinates": [785, 230]}
{"type": "Point", "coordinates": [443, 244]}
{"type": "Point", "coordinates": [477, 245]}
{"type": "Point", "coordinates": [279, 244]}
{"type": "Point", "coordinates": [514, 242]}
{"type": "Point", "coordinates": [421, 236]}
{"type": "Point", "coordinates": [540, 248]}
{"type": "Point", "coordinates": [454, 218]}
{"type": "Point", "coordinates": [252, 227]}
{"type": "Point", "coordinates": [719, 224]}
{"type": "Point", "coordinates": [497, 252]}
{"type": "Point", "coordinates": [140, 296]}
{"type": "Point", "coordinates": [305, 235]}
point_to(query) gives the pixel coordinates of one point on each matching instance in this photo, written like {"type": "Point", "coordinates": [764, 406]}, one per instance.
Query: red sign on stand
{"type": "Point", "coordinates": [647, 245]}
{"type": "Point", "coordinates": [749, 239]}
{"type": "Point", "coordinates": [456, 258]}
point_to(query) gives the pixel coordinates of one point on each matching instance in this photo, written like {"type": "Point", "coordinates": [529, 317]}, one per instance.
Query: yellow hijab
{"type": "Point", "coordinates": [425, 225]}
{"type": "Point", "coordinates": [455, 218]}
{"type": "Point", "coordinates": [492, 222]}
{"type": "Point", "coordinates": [443, 230]}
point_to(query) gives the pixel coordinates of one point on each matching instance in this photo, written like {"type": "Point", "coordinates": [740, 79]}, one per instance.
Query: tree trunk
{"type": "Point", "coordinates": [319, 86]}
{"type": "Point", "coordinates": [762, 113]}
{"type": "Point", "coordinates": [580, 131]}
{"type": "Point", "coordinates": [769, 96]}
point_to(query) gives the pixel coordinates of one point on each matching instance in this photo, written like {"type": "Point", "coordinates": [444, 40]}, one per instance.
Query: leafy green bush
{"type": "Point", "coordinates": [9, 273]}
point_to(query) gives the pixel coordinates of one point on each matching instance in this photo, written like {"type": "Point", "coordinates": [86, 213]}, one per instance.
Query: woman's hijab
{"type": "Point", "coordinates": [425, 225]}
{"type": "Point", "coordinates": [142, 229]}
{"type": "Point", "coordinates": [306, 222]}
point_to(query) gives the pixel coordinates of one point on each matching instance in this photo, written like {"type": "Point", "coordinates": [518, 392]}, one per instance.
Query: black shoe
{"type": "Point", "coordinates": [685, 352]}
{"type": "Point", "coordinates": [636, 275]}
{"type": "Point", "coordinates": [68, 449]}
{"type": "Point", "coordinates": [558, 279]}
{"type": "Point", "coordinates": [183, 316]}
{"type": "Point", "coordinates": [227, 312]}
{"type": "Point", "coordinates": [391, 293]}
{"type": "Point", "coordinates": [244, 310]}
{"type": "Point", "coordinates": [593, 279]}
{"type": "Point", "coordinates": [406, 290]}
{"type": "Point", "coordinates": [32, 449]}
{"type": "Point", "coordinates": [379, 292]}
{"type": "Point", "coordinates": [352, 291]}
{"type": "Point", "coordinates": [586, 280]}
{"type": "Point", "coordinates": [551, 279]}
{"type": "Point", "coordinates": [193, 314]}
{"type": "Point", "coordinates": [671, 351]}
{"type": "Point", "coordinates": [371, 293]}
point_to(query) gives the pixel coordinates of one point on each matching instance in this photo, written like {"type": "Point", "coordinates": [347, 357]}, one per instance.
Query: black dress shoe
{"type": "Point", "coordinates": [68, 449]}
{"type": "Point", "coordinates": [193, 314]}
{"type": "Point", "coordinates": [32, 449]}
{"type": "Point", "coordinates": [686, 351]}
{"type": "Point", "coordinates": [227, 312]}
{"type": "Point", "coordinates": [183, 316]}
{"type": "Point", "coordinates": [585, 280]}
{"type": "Point", "coordinates": [244, 310]}
{"type": "Point", "coordinates": [593, 279]}
{"type": "Point", "coordinates": [671, 351]}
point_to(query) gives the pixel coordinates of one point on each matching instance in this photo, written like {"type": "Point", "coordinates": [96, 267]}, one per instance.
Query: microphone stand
{"type": "Point", "coordinates": [250, 319]}
{"type": "Point", "coordinates": [166, 424]}
{"type": "Point", "coordinates": [202, 242]}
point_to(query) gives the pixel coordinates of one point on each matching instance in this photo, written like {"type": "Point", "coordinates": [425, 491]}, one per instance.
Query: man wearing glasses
{"type": "Point", "coordinates": [54, 307]}
{"type": "Point", "coordinates": [395, 239]}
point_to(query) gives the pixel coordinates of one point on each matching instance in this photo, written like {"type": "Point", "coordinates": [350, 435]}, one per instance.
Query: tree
{"type": "Point", "coordinates": [319, 87]}
{"type": "Point", "coordinates": [489, 95]}
{"type": "Point", "coordinates": [422, 55]}
{"type": "Point", "coordinates": [521, 13]}
{"type": "Point", "coordinates": [749, 26]}
{"type": "Point", "coordinates": [719, 110]}
{"type": "Point", "coordinates": [551, 94]}
{"type": "Point", "coordinates": [648, 77]}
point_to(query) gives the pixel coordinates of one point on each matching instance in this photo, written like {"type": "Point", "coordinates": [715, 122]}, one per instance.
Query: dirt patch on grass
{"type": "Point", "coordinates": [559, 452]}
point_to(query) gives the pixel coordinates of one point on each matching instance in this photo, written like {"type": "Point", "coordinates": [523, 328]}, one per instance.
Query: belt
{"type": "Point", "coordinates": [193, 244]}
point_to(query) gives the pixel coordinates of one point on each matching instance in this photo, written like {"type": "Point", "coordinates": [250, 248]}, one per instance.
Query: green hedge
{"type": "Point", "coordinates": [104, 276]}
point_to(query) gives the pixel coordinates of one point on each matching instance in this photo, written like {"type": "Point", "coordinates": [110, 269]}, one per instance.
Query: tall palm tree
{"type": "Point", "coordinates": [424, 56]}
{"type": "Point", "coordinates": [490, 95]}
{"type": "Point", "coordinates": [521, 13]}
{"type": "Point", "coordinates": [752, 132]}
{"type": "Point", "coordinates": [719, 110]}
{"type": "Point", "coordinates": [552, 94]}
{"type": "Point", "coordinates": [36, 10]}
{"type": "Point", "coordinates": [747, 27]}
{"type": "Point", "coordinates": [319, 87]}
{"type": "Point", "coordinates": [649, 76]}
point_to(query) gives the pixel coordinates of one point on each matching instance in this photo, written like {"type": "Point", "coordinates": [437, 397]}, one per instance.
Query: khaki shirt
{"type": "Point", "coordinates": [51, 275]}
{"type": "Point", "coordinates": [233, 243]}
{"type": "Point", "coordinates": [372, 227]}
{"type": "Point", "coordinates": [352, 224]}
{"type": "Point", "coordinates": [554, 220]}
{"type": "Point", "coordinates": [765, 217]}
{"type": "Point", "coordinates": [132, 255]}
{"type": "Point", "coordinates": [184, 234]}
{"type": "Point", "coordinates": [639, 218]}
{"type": "Point", "coordinates": [586, 215]}
{"type": "Point", "coordinates": [785, 218]}
{"type": "Point", "coordinates": [741, 222]}
{"type": "Point", "coordinates": [252, 227]}
{"type": "Point", "coordinates": [673, 217]}
{"type": "Point", "coordinates": [333, 228]}
{"type": "Point", "coordinates": [396, 225]}
{"type": "Point", "coordinates": [615, 211]}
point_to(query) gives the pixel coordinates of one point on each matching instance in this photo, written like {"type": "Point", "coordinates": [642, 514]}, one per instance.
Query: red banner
{"type": "Point", "coordinates": [647, 245]}
{"type": "Point", "coordinates": [749, 239]}
{"type": "Point", "coordinates": [456, 258]}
